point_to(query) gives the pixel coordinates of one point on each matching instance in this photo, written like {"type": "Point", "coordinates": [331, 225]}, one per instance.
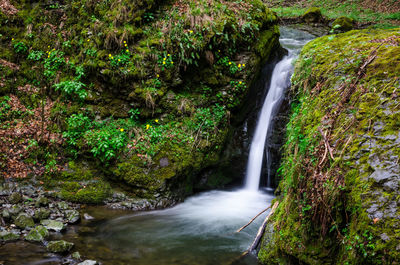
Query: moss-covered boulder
{"type": "Point", "coordinates": [342, 24]}
{"type": "Point", "coordinates": [8, 236]}
{"type": "Point", "coordinates": [72, 216]}
{"type": "Point", "coordinates": [340, 172]}
{"type": "Point", "coordinates": [53, 225]}
{"type": "Point", "coordinates": [37, 234]}
{"type": "Point", "coordinates": [24, 220]}
{"type": "Point", "coordinates": [312, 15]}
{"type": "Point", "coordinates": [15, 198]}
{"type": "Point", "coordinates": [59, 246]}
{"type": "Point", "coordinates": [41, 213]}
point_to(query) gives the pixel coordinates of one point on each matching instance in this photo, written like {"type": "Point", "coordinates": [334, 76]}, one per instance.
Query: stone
{"type": "Point", "coordinates": [164, 162]}
{"type": "Point", "coordinates": [42, 201]}
{"type": "Point", "coordinates": [39, 233]}
{"type": "Point", "coordinates": [381, 176]}
{"type": "Point", "coordinates": [6, 214]}
{"type": "Point", "coordinates": [88, 217]}
{"type": "Point", "coordinates": [88, 262]}
{"type": "Point", "coordinates": [384, 237]}
{"type": "Point", "coordinates": [41, 213]}
{"type": "Point", "coordinates": [62, 205]}
{"type": "Point", "coordinates": [15, 210]}
{"type": "Point", "coordinates": [76, 255]}
{"type": "Point", "coordinates": [23, 221]}
{"type": "Point", "coordinates": [343, 24]}
{"type": "Point", "coordinates": [8, 236]}
{"type": "Point", "coordinates": [15, 198]}
{"type": "Point", "coordinates": [312, 15]}
{"type": "Point", "coordinates": [59, 246]}
{"type": "Point", "coordinates": [72, 216]}
{"type": "Point", "coordinates": [53, 225]}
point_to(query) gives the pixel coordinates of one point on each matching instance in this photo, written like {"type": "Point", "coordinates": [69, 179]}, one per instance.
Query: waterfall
{"type": "Point", "coordinates": [280, 81]}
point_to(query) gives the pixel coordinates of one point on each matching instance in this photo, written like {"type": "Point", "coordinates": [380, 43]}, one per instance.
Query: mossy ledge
{"type": "Point", "coordinates": [340, 172]}
{"type": "Point", "coordinates": [128, 94]}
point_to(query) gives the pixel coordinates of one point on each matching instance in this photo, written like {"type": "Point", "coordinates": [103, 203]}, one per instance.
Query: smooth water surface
{"type": "Point", "coordinates": [199, 231]}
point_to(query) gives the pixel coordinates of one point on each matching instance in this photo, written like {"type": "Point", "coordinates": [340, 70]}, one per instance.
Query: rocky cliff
{"type": "Point", "coordinates": [338, 197]}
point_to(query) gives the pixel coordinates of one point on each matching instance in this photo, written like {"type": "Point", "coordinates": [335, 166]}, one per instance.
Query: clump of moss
{"type": "Point", "coordinates": [92, 193]}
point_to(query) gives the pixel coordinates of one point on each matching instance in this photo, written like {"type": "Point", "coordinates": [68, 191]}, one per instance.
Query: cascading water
{"type": "Point", "coordinates": [199, 231]}
{"type": "Point", "coordinates": [280, 81]}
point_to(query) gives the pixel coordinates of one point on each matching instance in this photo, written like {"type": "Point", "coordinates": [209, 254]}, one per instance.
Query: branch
{"type": "Point", "coordinates": [262, 228]}
{"type": "Point", "coordinates": [254, 218]}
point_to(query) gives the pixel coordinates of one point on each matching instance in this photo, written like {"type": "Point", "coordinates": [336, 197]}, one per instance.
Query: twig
{"type": "Point", "coordinates": [261, 229]}
{"type": "Point", "coordinates": [246, 225]}
{"type": "Point", "coordinates": [326, 143]}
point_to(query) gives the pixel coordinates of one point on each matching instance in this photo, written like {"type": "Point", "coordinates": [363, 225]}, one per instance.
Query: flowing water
{"type": "Point", "coordinates": [199, 231]}
{"type": "Point", "coordinates": [293, 41]}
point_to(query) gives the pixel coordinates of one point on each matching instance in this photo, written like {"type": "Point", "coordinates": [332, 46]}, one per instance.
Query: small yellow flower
{"type": "Point", "coordinates": [109, 55]}
{"type": "Point", "coordinates": [163, 62]}
{"type": "Point", "coordinates": [119, 60]}
{"type": "Point", "coordinates": [156, 120]}
{"type": "Point", "coordinates": [124, 41]}
{"type": "Point", "coordinates": [240, 82]}
{"type": "Point", "coordinates": [230, 63]}
{"type": "Point", "coordinates": [147, 126]}
{"type": "Point", "coordinates": [48, 46]}
{"type": "Point", "coordinates": [239, 65]}
{"type": "Point", "coordinates": [127, 50]}
{"type": "Point", "coordinates": [112, 57]}
{"type": "Point", "coordinates": [165, 59]}
{"type": "Point", "coordinates": [88, 40]}
{"type": "Point", "coordinates": [169, 55]}
{"type": "Point", "coordinates": [122, 129]}
{"type": "Point", "coordinates": [12, 39]}
{"type": "Point", "coordinates": [172, 62]}
{"type": "Point", "coordinates": [158, 75]}
{"type": "Point", "coordinates": [190, 31]}
{"type": "Point", "coordinates": [126, 45]}
{"type": "Point", "coordinates": [243, 65]}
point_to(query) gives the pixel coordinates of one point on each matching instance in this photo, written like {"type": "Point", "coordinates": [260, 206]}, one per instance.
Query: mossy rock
{"type": "Point", "coordinates": [37, 234]}
{"type": "Point", "coordinates": [24, 220]}
{"type": "Point", "coordinates": [363, 221]}
{"type": "Point", "coordinates": [53, 225]}
{"type": "Point", "coordinates": [312, 15]}
{"type": "Point", "coordinates": [59, 246]}
{"type": "Point", "coordinates": [8, 236]}
{"type": "Point", "coordinates": [342, 24]}
{"type": "Point", "coordinates": [92, 193]}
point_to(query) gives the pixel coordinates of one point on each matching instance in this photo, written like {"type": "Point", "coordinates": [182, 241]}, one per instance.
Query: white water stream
{"type": "Point", "coordinates": [280, 81]}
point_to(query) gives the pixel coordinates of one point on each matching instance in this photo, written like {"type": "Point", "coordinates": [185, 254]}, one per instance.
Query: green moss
{"type": "Point", "coordinates": [343, 24]}
{"type": "Point", "coordinates": [312, 15]}
{"type": "Point", "coordinates": [92, 193]}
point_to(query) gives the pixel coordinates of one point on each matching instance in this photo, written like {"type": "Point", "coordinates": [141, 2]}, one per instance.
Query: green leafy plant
{"type": "Point", "coordinates": [35, 55]}
{"type": "Point", "coordinates": [19, 47]}
{"type": "Point", "coordinates": [72, 88]}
